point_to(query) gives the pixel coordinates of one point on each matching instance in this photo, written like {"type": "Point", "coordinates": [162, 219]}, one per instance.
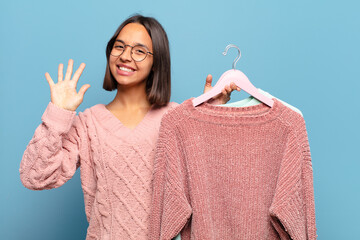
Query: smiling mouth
{"type": "Point", "coordinates": [125, 69]}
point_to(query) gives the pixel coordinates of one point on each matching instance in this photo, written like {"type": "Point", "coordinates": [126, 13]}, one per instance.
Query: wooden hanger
{"type": "Point", "coordinates": [237, 77]}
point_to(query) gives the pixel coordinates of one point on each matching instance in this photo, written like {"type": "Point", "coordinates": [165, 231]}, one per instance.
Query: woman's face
{"type": "Point", "coordinates": [125, 70]}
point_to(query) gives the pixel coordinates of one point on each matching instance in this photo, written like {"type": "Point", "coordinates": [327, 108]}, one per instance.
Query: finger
{"type": "Point", "coordinates": [49, 80]}
{"type": "Point", "coordinates": [225, 96]}
{"type": "Point", "coordinates": [234, 87]}
{"type": "Point", "coordinates": [225, 90]}
{"type": "Point", "coordinates": [208, 82]}
{"type": "Point", "coordinates": [78, 72]}
{"type": "Point", "coordinates": [60, 72]}
{"type": "Point", "coordinates": [69, 70]}
{"type": "Point", "coordinates": [228, 89]}
{"type": "Point", "coordinates": [83, 89]}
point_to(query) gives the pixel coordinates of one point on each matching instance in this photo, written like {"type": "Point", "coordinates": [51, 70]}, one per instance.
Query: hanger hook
{"type": "Point", "coordinates": [238, 56]}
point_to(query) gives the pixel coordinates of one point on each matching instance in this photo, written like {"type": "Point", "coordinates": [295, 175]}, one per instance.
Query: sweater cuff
{"type": "Point", "coordinates": [58, 118]}
{"type": "Point", "coordinates": [290, 218]}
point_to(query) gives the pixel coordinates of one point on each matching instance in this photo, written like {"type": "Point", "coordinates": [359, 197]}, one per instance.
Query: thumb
{"type": "Point", "coordinates": [208, 83]}
{"type": "Point", "coordinates": [83, 89]}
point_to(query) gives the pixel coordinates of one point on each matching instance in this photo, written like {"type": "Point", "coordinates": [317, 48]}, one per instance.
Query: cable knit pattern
{"type": "Point", "coordinates": [116, 165]}
{"type": "Point", "coordinates": [233, 173]}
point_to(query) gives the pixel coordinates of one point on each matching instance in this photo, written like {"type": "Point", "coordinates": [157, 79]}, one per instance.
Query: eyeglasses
{"type": "Point", "coordinates": [138, 52]}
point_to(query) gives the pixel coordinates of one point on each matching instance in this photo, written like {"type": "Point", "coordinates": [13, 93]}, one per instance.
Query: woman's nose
{"type": "Point", "coordinates": [126, 55]}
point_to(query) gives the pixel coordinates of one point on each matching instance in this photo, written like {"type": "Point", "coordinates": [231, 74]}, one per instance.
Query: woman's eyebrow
{"type": "Point", "coordinates": [142, 45]}
{"type": "Point", "coordinates": [135, 44]}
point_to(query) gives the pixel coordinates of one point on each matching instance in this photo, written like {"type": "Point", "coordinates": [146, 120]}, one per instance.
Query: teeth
{"type": "Point", "coordinates": [126, 69]}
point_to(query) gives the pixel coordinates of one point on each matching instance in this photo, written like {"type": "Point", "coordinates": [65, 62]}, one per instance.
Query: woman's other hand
{"type": "Point", "coordinates": [222, 97]}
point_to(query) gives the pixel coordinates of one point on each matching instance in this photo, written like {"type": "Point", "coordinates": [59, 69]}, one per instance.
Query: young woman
{"type": "Point", "coordinates": [112, 144]}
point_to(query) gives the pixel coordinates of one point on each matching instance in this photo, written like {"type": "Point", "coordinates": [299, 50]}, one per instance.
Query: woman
{"type": "Point", "coordinates": [112, 144]}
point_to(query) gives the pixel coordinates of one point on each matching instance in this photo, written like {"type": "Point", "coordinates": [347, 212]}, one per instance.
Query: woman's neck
{"type": "Point", "coordinates": [130, 98]}
{"type": "Point", "coordinates": [130, 106]}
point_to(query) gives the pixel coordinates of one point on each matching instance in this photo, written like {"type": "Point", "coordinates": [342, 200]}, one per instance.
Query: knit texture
{"type": "Point", "coordinates": [116, 165]}
{"type": "Point", "coordinates": [233, 173]}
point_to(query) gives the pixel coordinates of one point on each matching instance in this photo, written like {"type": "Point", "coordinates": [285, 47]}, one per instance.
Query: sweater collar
{"type": "Point", "coordinates": [234, 115]}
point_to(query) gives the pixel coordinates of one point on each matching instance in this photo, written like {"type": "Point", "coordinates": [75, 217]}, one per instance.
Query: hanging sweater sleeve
{"type": "Point", "coordinates": [171, 208]}
{"type": "Point", "coordinates": [54, 153]}
{"type": "Point", "coordinates": [293, 210]}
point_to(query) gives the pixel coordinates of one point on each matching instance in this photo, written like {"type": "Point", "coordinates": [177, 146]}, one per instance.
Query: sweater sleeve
{"type": "Point", "coordinates": [171, 208]}
{"type": "Point", "coordinates": [53, 154]}
{"type": "Point", "coordinates": [293, 210]}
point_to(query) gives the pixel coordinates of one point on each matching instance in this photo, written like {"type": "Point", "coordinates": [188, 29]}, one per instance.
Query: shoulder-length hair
{"type": "Point", "coordinates": [158, 83]}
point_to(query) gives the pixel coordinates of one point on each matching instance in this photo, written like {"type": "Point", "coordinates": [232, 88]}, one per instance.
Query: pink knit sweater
{"type": "Point", "coordinates": [233, 173]}
{"type": "Point", "coordinates": [116, 166]}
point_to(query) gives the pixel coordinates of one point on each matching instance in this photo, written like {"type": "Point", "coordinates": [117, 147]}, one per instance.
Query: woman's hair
{"type": "Point", "coordinates": [158, 83]}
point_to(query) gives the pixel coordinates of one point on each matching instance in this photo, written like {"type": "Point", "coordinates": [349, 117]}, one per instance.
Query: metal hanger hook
{"type": "Point", "coordinates": [238, 56]}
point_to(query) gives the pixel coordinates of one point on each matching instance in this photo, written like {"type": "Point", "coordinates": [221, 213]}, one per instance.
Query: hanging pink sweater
{"type": "Point", "coordinates": [116, 166]}
{"type": "Point", "coordinates": [233, 173]}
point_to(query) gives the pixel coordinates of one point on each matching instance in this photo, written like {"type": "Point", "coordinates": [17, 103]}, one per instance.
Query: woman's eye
{"type": "Point", "coordinates": [119, 47]}
{"type": "Point", "coordinates": [140, 51]}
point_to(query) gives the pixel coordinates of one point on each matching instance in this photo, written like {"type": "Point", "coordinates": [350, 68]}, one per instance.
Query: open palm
{"type": "Point", "coordinates": [63, 93]}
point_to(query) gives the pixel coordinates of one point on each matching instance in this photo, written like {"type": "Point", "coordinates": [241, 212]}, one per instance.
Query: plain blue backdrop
{"type": "Point", "coordinates": [303, 52]}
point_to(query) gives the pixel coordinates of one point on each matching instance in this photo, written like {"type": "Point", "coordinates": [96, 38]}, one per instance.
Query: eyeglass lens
{"type": "Point", "coordinates": [138, 53]}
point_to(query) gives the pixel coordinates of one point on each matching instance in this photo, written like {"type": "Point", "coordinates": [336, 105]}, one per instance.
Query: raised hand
{"type": "Point", "coordinates": [63, 93]}
{"type": "Point", "coordinates": [224, 96]}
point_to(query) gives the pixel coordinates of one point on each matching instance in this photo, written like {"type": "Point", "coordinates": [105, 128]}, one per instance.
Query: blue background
{"type": "Point", "coordinates": [305, 53]}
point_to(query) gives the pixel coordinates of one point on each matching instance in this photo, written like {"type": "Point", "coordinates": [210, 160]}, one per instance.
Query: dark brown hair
{"type": "Point", "coordinates": [158, 83]}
